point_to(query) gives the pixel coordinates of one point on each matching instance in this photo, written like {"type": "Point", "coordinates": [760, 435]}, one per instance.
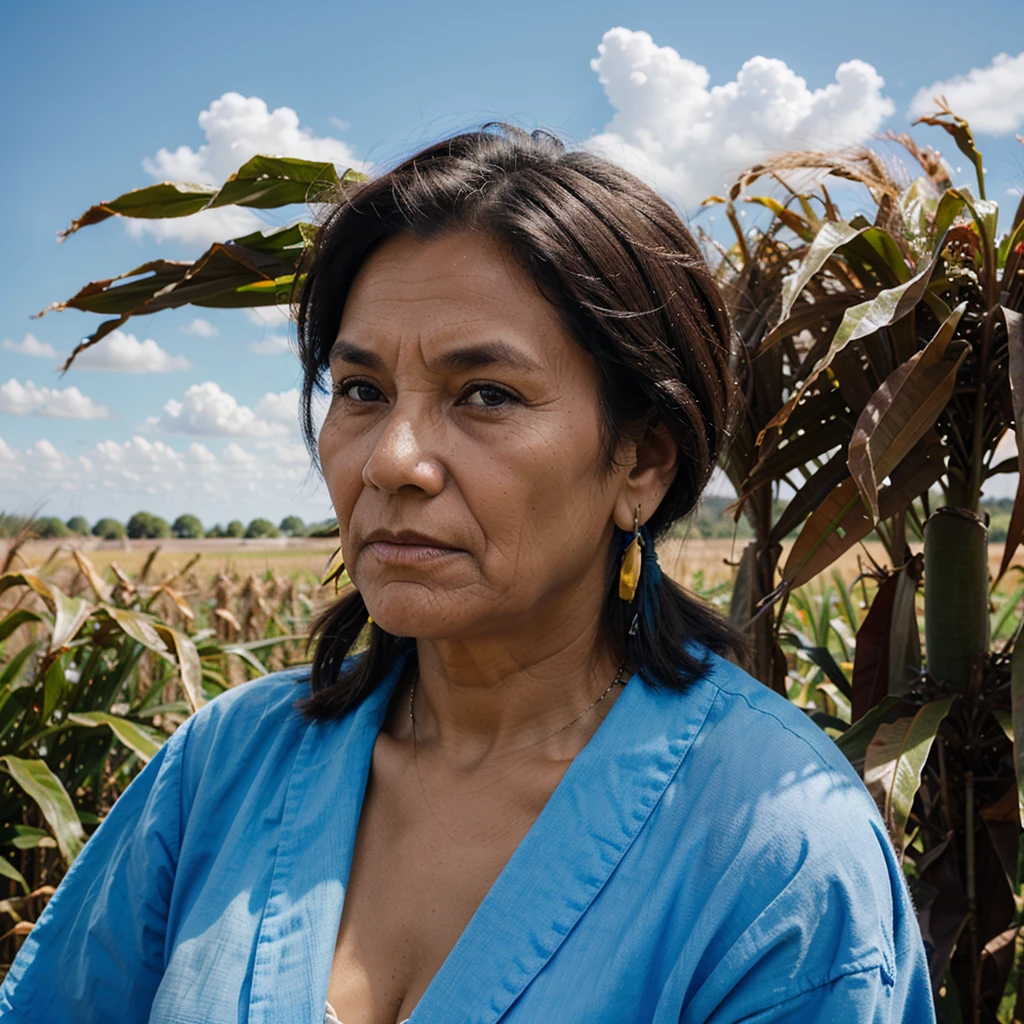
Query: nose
{"type": "Point", "coordinates": [402, 457]}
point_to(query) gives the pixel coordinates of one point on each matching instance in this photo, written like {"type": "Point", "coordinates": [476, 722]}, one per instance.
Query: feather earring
{"type": "Point", "coordinates": [632, 563]}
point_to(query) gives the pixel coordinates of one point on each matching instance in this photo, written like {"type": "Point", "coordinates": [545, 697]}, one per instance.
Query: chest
{"type": "Point", "coordinates": [430, 846]}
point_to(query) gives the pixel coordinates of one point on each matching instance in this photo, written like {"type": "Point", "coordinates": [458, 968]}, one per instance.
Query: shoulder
{"type": "Point", "coordinates": [743, 710]}
{"type": "Point", "coordinates": [251, 729]}
{"type": "Point", "coordinates": [764, 757]}
{"type": "Point", "coordinates": [786, 812]}
{"type": "Point", "coordinates": [270, 698]}
{"type": "Point", "coordinates": [807, 882]}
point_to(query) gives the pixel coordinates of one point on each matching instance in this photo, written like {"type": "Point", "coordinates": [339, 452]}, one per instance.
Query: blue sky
{"type": "Point", "coordinates": [101, 97]}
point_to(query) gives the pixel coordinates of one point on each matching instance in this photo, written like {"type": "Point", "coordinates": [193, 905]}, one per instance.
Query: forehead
{"type": "Point", "coordinates": [461, 285]}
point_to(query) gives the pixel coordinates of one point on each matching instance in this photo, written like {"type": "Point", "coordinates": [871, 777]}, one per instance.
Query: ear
{"type": "Point", "coordinates": [651, 462]}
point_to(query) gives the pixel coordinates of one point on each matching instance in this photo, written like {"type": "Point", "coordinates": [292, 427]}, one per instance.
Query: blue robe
{"type": "Point", "coordinates": [709, 856]}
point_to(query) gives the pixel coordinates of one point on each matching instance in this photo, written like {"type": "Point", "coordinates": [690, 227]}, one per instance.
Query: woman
{"type": "Point", "coordinates": [540, 794]}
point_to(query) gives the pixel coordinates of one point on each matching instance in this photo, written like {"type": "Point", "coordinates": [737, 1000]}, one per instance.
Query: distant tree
{"type": "Point", "coordinates": [325, 528]}
{"type": "Point", "coordinates": [216, 531]}
{"type": "Point", "coordinates": [50, 526]}
{"type": "Point", "coordinates": [109, 529]}
{"type": "Point", "coordinates": [261, 528]}
{"type": "Point", "coordinates": [145, 525]}
{"type": "Point", "coordinates": [293, 526]}
{"type": "Point", "coordinates": [188, 527]}
{"type": "Point", "coordinates": [234, 529]}
{"type": "Point", "coordinates": [79, 525]}
{"type": "Point", "coordinates": [11, 526]}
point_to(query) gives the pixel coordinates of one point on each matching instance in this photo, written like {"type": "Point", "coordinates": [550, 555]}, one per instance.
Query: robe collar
{"type": "Point", "coordinates": [593, 816]}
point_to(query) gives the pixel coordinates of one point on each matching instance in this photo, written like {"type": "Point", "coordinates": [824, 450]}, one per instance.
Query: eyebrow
{"type": "Point", "coordinates": [469, 357]}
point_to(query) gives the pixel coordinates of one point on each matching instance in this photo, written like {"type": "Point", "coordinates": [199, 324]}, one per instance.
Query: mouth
{"type": "Point", "coordinates": [407, 547]}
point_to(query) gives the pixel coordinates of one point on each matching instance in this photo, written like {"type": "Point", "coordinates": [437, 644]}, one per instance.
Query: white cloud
{"type": "Point", "coordinates": [688, 138]}
{"type": "Point", "coordinates": [67, 404]}
{"type": "Point", "coordinates": [208, 411]}
{"type": "Point", "coordinates": [117, 478]}
{"type": "Point", "coordinates": [236, 128]}
{"type": "Point", "coordinates": [271, 345]}
{"type": "Point", "coordinates": [991, 98]}
{"type": "Point", "coordinates": [200, 328]}
{"type": "Point", "coordinates": [30, 345]}
{"type": "Point", "coordinates": [275, 317]}
{"type": "Point", "coordinates": [124, 353]}
{"type": "Point", "coordinates": [199, 229]}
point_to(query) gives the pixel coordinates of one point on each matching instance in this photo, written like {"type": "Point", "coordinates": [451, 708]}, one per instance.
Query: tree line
{"type": "Point", "coordinates": [147, 526]}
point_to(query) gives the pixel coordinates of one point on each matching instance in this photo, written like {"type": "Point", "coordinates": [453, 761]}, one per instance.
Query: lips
{"type": "Point", "coordinates": [407, 547]}
{"type": "Point", "coordinates": [411, 538]}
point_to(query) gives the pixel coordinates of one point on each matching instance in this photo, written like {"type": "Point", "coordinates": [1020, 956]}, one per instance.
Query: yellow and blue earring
{"type": "Point", "coordinates": [632, 561]}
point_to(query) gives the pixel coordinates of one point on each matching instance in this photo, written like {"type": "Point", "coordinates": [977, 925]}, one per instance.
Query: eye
{"type": "Point", "coordinates": [487, 396]}
{"type": "Point", "coordinates": [356, 390]}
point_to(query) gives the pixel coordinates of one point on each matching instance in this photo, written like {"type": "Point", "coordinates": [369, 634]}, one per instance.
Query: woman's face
{"type": "Point", "coordinates": [462, 447]}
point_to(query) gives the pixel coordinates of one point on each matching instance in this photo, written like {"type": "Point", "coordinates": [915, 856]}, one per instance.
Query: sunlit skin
{"type": "Point", "coordinates": [465, 461]}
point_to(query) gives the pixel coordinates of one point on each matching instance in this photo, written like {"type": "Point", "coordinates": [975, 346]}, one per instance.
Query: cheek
{"type": "Point", "coordinates": [541, 499]}
{"type": "Point", "coordinates": [342, 467]}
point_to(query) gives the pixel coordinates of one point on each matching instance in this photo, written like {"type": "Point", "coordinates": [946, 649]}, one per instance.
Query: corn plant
{"type": "Point", "coordinates": [885, 363]}
{"type": "Point", "coordinates": [90, 687]}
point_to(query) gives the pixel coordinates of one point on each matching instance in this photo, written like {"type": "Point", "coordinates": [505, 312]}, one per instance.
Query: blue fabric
{"type": "Point", "coordinates": [708, 857]}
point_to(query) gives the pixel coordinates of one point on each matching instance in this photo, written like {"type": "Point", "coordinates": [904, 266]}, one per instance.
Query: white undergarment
{"type": "Point", "coordinates": [330, 1017]}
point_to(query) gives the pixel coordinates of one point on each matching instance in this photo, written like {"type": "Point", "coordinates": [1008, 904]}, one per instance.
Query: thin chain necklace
{"type": "Point", "coordinates": [590, 707]}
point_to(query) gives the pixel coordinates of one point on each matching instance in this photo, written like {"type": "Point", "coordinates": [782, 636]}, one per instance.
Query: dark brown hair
{"type": "Point", "coordinates": [634, 291]}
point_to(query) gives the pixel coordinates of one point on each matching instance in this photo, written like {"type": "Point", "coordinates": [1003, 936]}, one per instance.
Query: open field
{"type": "Point", "coordinates": [285, 556]}
{"type": "Point", "coordinates": [304, 558]}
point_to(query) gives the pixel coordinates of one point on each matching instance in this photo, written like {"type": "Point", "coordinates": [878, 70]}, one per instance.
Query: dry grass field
{"type": "Point", "coordinates": [689, 560]}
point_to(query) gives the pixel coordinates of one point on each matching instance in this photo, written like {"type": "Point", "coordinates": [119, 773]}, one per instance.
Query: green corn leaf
{"type": "Point", "coordinates": [854, 742]}
{"type": "Point", "coordinates": [264, 182]}
{"type": "Point", "coordinates": [25, 837]}
{"type": "Point", "coordinates": [831, 236]}
{"type": "Point", "coordinates": [894, 761]}
{"type": "Point", "coordinates": [859, 321]}
{"type": "Point", "coordinates": [9, 623]}
{"type": "Point", "coordinates": [8, 870]}
{"type": "Point", "coordinates": [139, 626]}
{"type": "Point", "coordinates": [141, 739]}
{"type": "Point", "coordinates": [69, 613]}
{"type": "Point", "coordinates": [41, 785]}
{"type": "Point", "coordinates": [53, 687]}
{"type": "Point", "coordinates": [822, 657]}
{"type": "Point", "coordinates": [189, 665]}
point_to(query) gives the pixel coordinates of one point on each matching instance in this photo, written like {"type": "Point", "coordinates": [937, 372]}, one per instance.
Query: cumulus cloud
{"type": "Point", "coordinates": [30, 345]}
{"type": "Point", "coordinates": [275, 321]}
{"type": "Point", "coordinates": [236, 128]}
{"type": "Point", "coordinates": [687, 137]}
{"type": "Point", "coordinates": [67, 404]}
{"type": "Point", "coordinates": [274, 317]}
{"type": "Point", "coordinates": [199, 229]}
{"type": "Point", "coordinates": [206, 410]}
{"type": "Point", "coordinates": [114, 477]}
{"type": "Point", "coordinates": [271, 345]}
{"type": "Point", "coordinates": [200, 328]}
{"type": "Point", "coordinates": [120, 352]}
{"type": "Point", "coordinates": [991, 98]}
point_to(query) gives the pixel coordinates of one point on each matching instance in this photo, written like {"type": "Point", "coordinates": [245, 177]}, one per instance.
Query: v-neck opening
{"type": "Point", "coordinates": [556, 870]}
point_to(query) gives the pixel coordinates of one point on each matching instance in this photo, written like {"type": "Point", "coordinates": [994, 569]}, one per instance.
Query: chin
{"type": "Point", "coordinates": [412, 610]}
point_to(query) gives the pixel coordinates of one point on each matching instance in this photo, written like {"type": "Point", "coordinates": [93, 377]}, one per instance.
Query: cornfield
{"type": "Point", "coordinates": [96, 671]}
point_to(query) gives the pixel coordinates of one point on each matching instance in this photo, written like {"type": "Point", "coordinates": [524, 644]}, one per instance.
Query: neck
{"type": "Point", "coordinates": [479, 699]}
